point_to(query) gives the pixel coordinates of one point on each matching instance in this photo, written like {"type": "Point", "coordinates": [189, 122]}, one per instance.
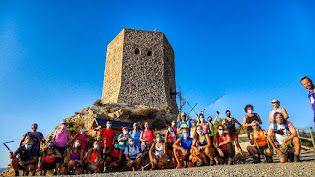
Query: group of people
{"type": "Point", "coordinates": [187, 143]}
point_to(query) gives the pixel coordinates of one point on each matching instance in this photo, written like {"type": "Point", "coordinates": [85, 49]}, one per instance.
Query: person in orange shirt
{"type": "Point", "coordinates": [94, 158]}
{"type": "Point", "coordinates": [259, 140]}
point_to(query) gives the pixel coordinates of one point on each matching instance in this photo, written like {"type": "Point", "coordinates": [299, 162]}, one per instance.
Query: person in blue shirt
{"type": "Point", "coordinates": [184, 120]}
{"type": "Point", "coordinates": [308, 84]}
{"type": "Point", "coordinates": [182, 149]}
{"type": "Point", "coordinates": [135, 134]}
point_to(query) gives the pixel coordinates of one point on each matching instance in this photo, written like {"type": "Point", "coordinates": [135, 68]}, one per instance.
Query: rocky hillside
{"type": "Point", "coordinates": [157, 117]}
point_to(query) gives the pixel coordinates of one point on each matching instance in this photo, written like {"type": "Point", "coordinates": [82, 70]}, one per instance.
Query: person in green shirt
{"type": "Point", "coordinates": [211, 125]}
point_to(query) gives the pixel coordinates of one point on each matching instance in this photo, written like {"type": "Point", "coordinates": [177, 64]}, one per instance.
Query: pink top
{"type": "Point", "coordinates": [83, 139]}
{"type": "Point", "coordinates": [61, 137]}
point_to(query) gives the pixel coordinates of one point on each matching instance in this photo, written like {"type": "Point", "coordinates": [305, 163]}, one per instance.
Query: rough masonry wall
{"type": "Point", "coordinates": [113, 69]}
{"type": "Point", "coordinates": [146, 76]}
{"type": "Point", "coordinates": [169, 74]}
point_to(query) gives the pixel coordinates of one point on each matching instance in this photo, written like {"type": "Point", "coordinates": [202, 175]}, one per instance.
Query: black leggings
{"type": "Point", "coordinates": [229, 153]}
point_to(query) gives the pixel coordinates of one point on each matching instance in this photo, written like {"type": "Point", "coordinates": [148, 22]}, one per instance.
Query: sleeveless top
{"type": "Point", "coordinates": [205, 128]}
{"type": "Point", "coordinates": [93, 156]}
{"type": "Point", "coordinates": [115, 153]}
{"type": "Point", "coordinates": [171, 137]}
{"type": "Point", "coordinates": [159, 150]}
{"type": "Point", "coordinates": [47, 157]}
{"type": "Point", "coordinates": [260, 138]}
{"type": "Point", "coordinates": [275, 111]}
{"type": "Point", "coordinates": [249, 120]}
{"type": "Point", "coordinates": [74, 156]}
{"type": "Point", "coordinates": [203, 143]}
{"type": "Point", "coordinates": [186, 144]}
{"type": "Point", "coordinates": [230, 125]}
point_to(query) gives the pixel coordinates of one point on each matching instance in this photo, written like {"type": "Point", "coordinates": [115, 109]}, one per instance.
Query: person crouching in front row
{"type": "Point", "coordinates": [183, 151]}
{"type": "Point", "coordinates": [157, 152]}
{"type": "Point", "coordinates": [223, 144]}
{"type": "Point", "coordinates": [133, 155]}
{"type": "Point", "coordinates": [259, 140]}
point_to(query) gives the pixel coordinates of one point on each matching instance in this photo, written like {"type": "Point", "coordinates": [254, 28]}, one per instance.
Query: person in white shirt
{"type": "Point", "coordinates": [133, 155]}
{"type": "Point", "coordinates": [285, 138]}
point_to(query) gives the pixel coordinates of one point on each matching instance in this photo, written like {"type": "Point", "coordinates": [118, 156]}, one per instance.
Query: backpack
{"type": "Point", "coordinates": [275, 127]}
{"type": "Point", "coordinates": [135, 148]}
{"type": "Point", "coordinates": [220, 138]}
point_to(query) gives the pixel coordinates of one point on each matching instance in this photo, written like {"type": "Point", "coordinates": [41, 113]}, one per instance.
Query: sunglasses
{"type": "Point", "coordinates": [220, 129]}
{"type": "Point", "coordinates": [274, 102]}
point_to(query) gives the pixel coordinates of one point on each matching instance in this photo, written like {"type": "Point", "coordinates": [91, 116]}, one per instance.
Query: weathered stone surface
{"type": "Point", "coordinates": [140, 69]}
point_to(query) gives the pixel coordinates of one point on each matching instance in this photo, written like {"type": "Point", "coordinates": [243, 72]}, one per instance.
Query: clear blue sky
{"type": "Point", "coordinates": [52, 56]}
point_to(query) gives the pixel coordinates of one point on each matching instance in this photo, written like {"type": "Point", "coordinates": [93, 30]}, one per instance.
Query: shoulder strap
{"type": "Point", "coordinates": [45, 152]}
{"type": "Point", "coordinates": [286, 125]}
{"type": "Point", "coordinates": [274, 126]}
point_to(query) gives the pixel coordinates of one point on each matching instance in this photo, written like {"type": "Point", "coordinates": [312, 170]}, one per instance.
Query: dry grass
{"type": "Point", "coordinates": [166, 109]}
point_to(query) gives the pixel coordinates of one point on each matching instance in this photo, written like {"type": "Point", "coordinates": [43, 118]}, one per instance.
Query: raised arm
{"type": "Point", "coordinates": [216, 117]}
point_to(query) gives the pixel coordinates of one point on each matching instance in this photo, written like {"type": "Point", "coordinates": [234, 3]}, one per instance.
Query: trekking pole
{"type": "Point", "coordinates": [104, 153]}
{"type": "Point", "coordinates": [145, 166]}
{"type": "Point", "coordinates": [7, 146]}
{"type": "Point", "coordinates": [191, 107]}
{"type": "Point", "coordinates": [213, 102]}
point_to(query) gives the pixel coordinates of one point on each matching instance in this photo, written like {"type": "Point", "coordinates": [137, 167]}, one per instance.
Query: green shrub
{"type": "Point", "coordinates": [98, 103]}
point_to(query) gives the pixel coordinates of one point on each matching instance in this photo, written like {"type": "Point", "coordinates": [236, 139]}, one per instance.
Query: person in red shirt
{"type": "Point", "coordinates": [146, 138]}
{"type": "Point", "coordinates": [223, 144]}
{"type": "Point", "coordinates": [107, 135]}
{"type": "Point", "coordinates": [83, 137]}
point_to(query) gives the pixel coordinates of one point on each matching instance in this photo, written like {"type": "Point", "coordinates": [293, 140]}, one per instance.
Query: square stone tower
{"type": "Point", "coordinates": [140, 70]}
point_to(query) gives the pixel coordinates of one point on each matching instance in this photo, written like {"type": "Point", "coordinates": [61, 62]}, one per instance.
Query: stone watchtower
{"type": "Point", "coordinates": [140, 70]}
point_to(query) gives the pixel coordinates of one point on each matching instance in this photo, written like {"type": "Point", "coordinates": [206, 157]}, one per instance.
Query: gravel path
{"type": "Point", "coordinates": [304, 168]}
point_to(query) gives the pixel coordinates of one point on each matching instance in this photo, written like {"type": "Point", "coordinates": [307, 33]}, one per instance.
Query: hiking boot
{"type": "Point", "coordinates": [243, 160]}
{"type": "Point", "coordinates": [26, 173]}
{"type": "Point", "coordinates": [255, 160]}
{"type": "Point", "coordinates": [179, 165]}
{"type": "Point", "coordinates": [211, 162]}
{"type": "Point", "coordinates": [17, 173]}
{"type": "Point", "coordinates": [297, 158]}
{"type": "Point", "coordinates": [185, 166]}
{"type": "Point", "coordinates": [191, 164]}
{"type": "Point", "coordinates": [230, 161]}
{"type": "Point", "coordinates": [199, 164]}
{"type": "Point", "coordinates": [291, 157]}
{"type": "Point", "coordinates": [269, 159]}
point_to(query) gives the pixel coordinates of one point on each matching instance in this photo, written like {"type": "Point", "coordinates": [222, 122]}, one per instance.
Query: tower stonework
{"type": "Point", "coordinates": [140, 70]}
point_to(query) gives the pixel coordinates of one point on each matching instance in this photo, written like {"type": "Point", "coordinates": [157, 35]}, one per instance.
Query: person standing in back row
{"type": "Point", "coordinates": [276, 108]}
{"type": "Point", "coordinates": [249, 118]}
{"type": "Point", "coordinates": [61, 139]}
{"type": "Point", "coordinates": [107, 134]}
{"type": "Point", "coordinates": [229, 122]}
{"type": "Point", "coordinates": [308, 84]}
